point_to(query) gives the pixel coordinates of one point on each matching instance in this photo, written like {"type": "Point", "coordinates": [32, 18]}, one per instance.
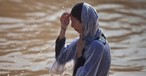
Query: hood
{"type": "Point", "coordinates": [89, 18]}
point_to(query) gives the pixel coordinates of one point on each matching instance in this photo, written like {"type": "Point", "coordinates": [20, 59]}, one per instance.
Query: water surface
{"type": "Point", "coordinates": [28, 29]}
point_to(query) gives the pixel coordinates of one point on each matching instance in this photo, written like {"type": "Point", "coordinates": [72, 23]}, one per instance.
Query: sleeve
{"type": "Point", "coordinates": [64, 54]}
{"type": "Point", "coordinates": [93, 58]}
{"type": "Point", "coordinates": [59, 45]}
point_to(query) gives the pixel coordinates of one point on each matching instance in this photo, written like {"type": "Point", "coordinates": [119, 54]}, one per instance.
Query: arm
{"type": "Point", "coordinates": [61, 51]}
{"type": "Point", "coordinates": [64, 54]}
{"type": "Point", "coordinates": [59, 45]}
{"type": "Point", "coordinates": [60, 41]}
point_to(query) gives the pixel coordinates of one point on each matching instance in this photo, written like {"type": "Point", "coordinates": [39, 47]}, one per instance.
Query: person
{"type": "Point", "coordinates": [90, 51]}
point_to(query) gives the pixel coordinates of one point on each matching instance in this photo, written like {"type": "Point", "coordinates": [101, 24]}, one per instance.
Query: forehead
{"type": "Point", "coordinates": [72, 17]}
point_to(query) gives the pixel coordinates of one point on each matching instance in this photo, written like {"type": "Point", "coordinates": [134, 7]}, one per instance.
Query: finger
{"type": "Point", "coordinates": [67, 14]}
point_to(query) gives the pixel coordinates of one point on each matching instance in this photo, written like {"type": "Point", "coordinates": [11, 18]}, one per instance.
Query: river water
{"type": "Point", "coordinates": [28, 29]}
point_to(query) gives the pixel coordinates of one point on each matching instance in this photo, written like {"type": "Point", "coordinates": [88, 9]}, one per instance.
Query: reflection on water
{"type": "Point", "coordinates": [28, 29]}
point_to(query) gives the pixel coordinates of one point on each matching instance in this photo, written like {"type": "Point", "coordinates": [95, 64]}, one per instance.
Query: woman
{"type": "Point", "coordinates": [90, 51]}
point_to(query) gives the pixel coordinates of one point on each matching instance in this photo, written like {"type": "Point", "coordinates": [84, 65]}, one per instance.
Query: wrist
{"type": "Point", "coordinates": [63, 28]}
{"type": "Point", "coordinates": [62, 33]}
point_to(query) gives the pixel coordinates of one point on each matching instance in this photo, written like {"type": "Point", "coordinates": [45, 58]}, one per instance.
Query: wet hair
{"type": "Point", "coordinates": [77, 10]}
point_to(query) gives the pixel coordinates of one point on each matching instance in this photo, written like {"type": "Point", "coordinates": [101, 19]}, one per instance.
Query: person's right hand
{"type": "Point", "coordinates": [65, 20]}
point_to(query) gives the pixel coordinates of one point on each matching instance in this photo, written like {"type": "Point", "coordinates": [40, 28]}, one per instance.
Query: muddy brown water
{"type": "Point", "coordinates": [28, 29]}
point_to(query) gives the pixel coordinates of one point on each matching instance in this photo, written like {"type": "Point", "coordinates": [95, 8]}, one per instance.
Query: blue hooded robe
{"type": "Point", "coordinates": [96, 58]}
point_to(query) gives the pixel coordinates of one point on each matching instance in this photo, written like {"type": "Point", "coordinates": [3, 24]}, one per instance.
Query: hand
{"type": "Point", "coordinates": [65, 20]}
{"type": "Point", "coordinates": [80, 46]}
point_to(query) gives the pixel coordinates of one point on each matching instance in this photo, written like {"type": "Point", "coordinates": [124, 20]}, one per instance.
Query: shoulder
{"type": "Point", "coordinates": [97, 44]}
{"type": "Point", "coordinates": [95, 47]}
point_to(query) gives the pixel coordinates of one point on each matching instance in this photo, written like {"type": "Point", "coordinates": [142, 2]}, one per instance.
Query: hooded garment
{"type": "Point", "coordinates": [96, 53]}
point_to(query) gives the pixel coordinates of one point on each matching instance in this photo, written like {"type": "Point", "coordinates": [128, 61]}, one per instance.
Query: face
{"type": "Point", "coordinates": [76, 24]}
